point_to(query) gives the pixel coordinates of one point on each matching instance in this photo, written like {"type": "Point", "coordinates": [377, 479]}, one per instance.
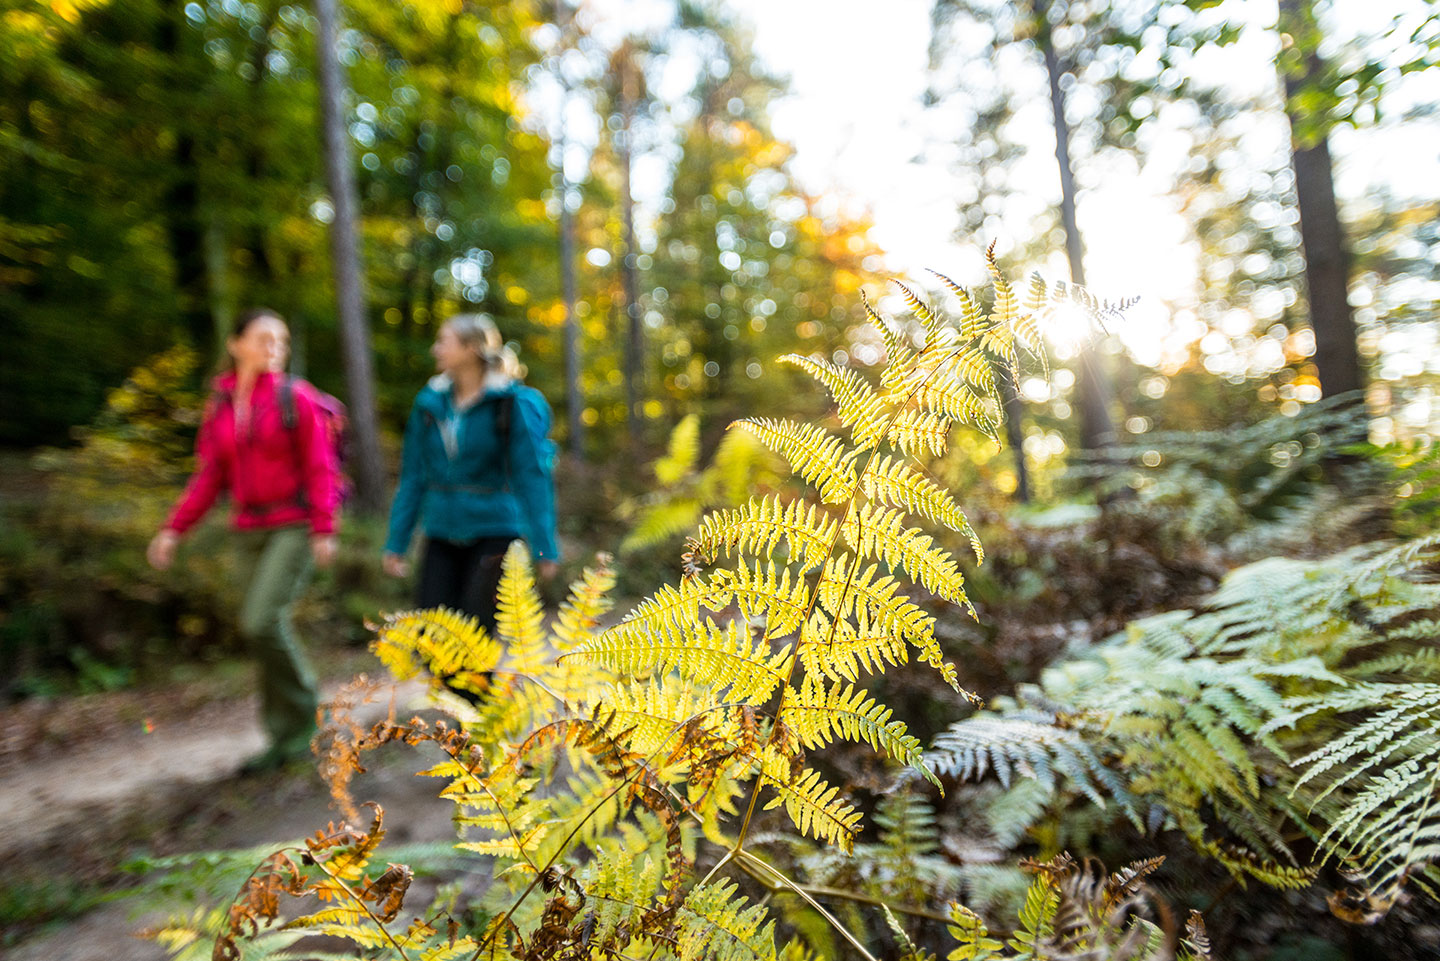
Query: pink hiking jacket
{"type": "Point", "coordinates": [275, 476]}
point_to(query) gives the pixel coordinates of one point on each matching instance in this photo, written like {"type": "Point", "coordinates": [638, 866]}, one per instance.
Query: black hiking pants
{"type": "Point", "coordinates": [462, 576]}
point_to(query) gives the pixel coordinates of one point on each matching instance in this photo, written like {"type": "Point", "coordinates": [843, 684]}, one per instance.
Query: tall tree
{"type": "Point", "coordinates": [629, 81]}
{"type": "Point", "coordinates": [347, 271]}
{"type": "Point", "coordinates": [1327, 255]}
{"type": "Point", "coordinates": [574, 399]}
{"type": "Point", "coordinates": [1006, 27]}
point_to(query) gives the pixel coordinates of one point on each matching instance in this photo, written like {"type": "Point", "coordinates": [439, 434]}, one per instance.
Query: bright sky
{"type": "Point", "coordinates": [854, 113]}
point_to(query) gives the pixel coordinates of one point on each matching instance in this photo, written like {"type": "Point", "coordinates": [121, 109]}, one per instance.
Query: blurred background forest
{"type": "Point", "coordinates": [606, 181]}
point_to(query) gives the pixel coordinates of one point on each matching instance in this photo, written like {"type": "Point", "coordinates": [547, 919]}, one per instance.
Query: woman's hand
{"type": "Point", "coordinates": [161, 552]}
{"type": "Point", "coordinates": [547, 569]}
{"type": "Point", "coordinates": [395, 565]}
{"type": "Point", "coordinates": [324, 547]}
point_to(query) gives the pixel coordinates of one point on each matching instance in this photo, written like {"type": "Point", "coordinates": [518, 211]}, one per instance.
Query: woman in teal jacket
{"type": "Point", "coordinates": [476, 473]}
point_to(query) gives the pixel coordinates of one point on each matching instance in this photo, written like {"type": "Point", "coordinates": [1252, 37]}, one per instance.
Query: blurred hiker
{"type": "Point", "coordinates": [266, 439]}
{"type": "Point", "coordinates": [476, 473]}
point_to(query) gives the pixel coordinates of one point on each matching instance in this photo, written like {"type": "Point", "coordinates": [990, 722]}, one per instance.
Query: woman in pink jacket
{"type": "Point", "coordinates": [265, 441]}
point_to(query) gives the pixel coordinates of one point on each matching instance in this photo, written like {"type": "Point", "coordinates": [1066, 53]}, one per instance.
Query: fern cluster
{"type": "Point", "coordinates": [601, 769]}
{"type": "Point", "coordinates": [1288, 725]}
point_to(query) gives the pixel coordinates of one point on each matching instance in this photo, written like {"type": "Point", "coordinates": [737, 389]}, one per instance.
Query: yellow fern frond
{"type": "Point", "coordinates": [875, 532]}
{"type": "Point", "coordinates": [704, 652]}
{"type": "Point", "coordinates": [899, 355]}
{"type": "Point", "coordinates": [588, 601]}
{"type": "Point", "coordinates": [359, 933]}
{"type": "Point", "coordinates": [758, 527]}
{"type": "Point", "coordinates": [764, 593]}
{"type": "Point", "coordinates": [932, 323]}
{"type": "Point", "coordinates": [857, 404]}
{"type": "Point", "coordinates": [333, 917]}
{"type": "Point", "coordinates": [894, 482]}
{"type": "Point", "coordinates": [972, 318]}
{"type": "Point", "coordinates": [444, 641]}
{"type": "Point", "coordinates": [837, 650]}
{"type": "Point", "coordinates": [916, 431]}
{"type": "Point", "coordinates": [847, 589]}
{"type": "Point", "coordinates": [653, 712]}
{"type": "Point", "coordinates": [519, 614]}
{"type": "Point", "coordinates": [816, 807]}
{"type": "Point", "coordinates": [1007, 305]}
{"type": "Point", "coordinates": [959, 403]}
{"type": "Point", "coordinates": [815, 454]}
{"type": "Point", "coordinates": [819, 714]}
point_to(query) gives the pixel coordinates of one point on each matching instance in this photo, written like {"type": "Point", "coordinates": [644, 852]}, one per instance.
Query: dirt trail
{"type": "Point", "coordinates": [84, 786]}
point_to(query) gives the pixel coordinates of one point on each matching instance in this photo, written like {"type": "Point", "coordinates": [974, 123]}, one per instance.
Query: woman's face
{"type": "Point", "coordinates": [450, 351]}
{"type": "Point", "coordinates": [263, 347]}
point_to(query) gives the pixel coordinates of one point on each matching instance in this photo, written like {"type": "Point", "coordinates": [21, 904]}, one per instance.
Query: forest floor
{"type": "Point", "coordinates": [89, 783]}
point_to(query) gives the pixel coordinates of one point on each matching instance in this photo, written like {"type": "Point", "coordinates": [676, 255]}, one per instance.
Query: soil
{"type": "Point", "coordinates": [89, 783]}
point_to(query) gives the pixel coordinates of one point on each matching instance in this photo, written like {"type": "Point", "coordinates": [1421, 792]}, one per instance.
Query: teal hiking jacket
{"type": "Point", "coordinates": [456, 480]}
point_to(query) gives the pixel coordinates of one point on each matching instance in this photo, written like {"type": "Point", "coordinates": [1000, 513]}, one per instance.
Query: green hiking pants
{"type": "Point", "coordinates": [276, 567]}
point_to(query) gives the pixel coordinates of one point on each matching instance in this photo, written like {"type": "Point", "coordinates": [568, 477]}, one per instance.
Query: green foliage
{"type": "Point", "coordinates": [1202, 487]}
{"type": "Point", "coordinates": [1284, 725]}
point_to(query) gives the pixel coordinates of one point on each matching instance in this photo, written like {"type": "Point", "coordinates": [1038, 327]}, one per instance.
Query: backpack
{"type": "Point", "coordinates": [336, 422]}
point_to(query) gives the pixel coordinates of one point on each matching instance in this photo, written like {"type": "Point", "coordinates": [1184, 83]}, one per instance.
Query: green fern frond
{"type": "Point", "coordinates": [683, 451]}
{"type": "Point", "coordinates": [662, 522]}
{"type": "Point", "coordinates": [813, 453]}
{"type": "Point", "coordinates": [971, 936]}
{"type": "Point", "coordinates": [715, 924]}
{"type": "Point", "coordinates": [1028, 744]}
{"type": "Point", "coordinates": [1037, 919]}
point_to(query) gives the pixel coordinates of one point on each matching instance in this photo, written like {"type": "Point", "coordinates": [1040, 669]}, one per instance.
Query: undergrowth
{"type": "Point", "coordinates": [662, 787]}
{"type": "Point", "coordinates": [627, 784]}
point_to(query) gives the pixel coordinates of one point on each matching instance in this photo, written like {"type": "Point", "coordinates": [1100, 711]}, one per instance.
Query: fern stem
{"type": "Point", "coordinates": [363, 907]}
{"type": "Point", "coordinates": [565, 843]}
{"type": "Point", "coordinates": [756, 867]}
{"type": "Point", "coordinates": [519, 843]}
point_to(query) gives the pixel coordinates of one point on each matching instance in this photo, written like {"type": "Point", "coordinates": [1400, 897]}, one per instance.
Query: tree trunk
{"type": "Point", "coordinates": [1092, 386]}
{"type": "Point", "coordinates": [345, 255]}
{"type": "Point", "coordinates": [574, 399]}
{"type": "Point", "coordinates": [184, 227]}
{"type": "Point", "coordinates": [629, 266]}
{"type": "Point", "coordinates": [1327, 257]}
